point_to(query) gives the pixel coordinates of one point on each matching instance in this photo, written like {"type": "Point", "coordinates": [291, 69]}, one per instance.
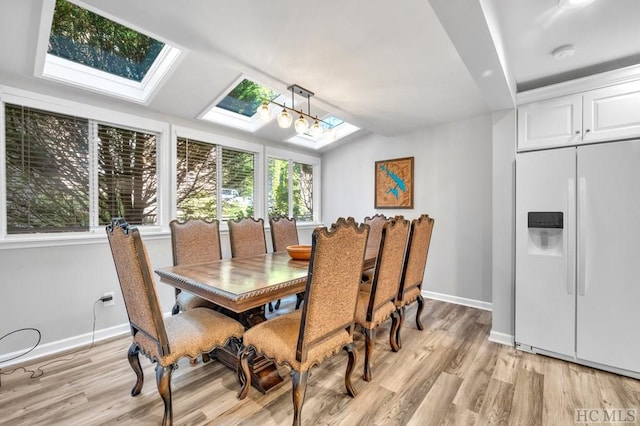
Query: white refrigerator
{"type": "Point", "coordinates": [578, 254]}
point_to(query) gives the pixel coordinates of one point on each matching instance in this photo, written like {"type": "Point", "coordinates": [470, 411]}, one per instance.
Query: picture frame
{"type": "Point", "coordinates": [394, 183]}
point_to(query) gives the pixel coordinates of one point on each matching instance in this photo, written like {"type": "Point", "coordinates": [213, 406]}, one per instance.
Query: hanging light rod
{"type": "Point", "coordinates": [301, 124]}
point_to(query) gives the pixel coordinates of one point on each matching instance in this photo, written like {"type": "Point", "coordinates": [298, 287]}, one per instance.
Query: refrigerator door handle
{"type": "Point", "coordinates": [582, 238]}
{"type": "Point", "coordinates": [570, 238]}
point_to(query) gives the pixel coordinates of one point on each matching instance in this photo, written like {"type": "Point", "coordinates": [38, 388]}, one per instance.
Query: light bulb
{"type": "Point", "coordinates": [316, 130]}
{"type": "Point", "coordinates": [284, 119]}
{"type": "Point", "coordinates": [330, 135]}
{"type": "Point", "coordinates": [301, 124]}
{"type": "Point", "coordinates": [264, 113]}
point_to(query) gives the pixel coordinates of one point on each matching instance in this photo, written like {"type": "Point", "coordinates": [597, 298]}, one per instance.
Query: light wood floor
{"type": "Point", "coordinates": [447, 374]}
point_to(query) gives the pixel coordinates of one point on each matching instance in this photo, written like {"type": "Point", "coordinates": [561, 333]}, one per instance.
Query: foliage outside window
{"type": "Point", "coordinates": [89, 39]}
{"type": "Point", "coordinates": [198, 192]}
{"type": "Point", "coordinates": [246, 97]}
{"type": "Point", "coordinates": [49, 164]}
{"type": "Point", "coordinates": [290, 186]}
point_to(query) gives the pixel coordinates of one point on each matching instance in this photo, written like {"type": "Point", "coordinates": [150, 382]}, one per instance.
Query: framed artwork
{"type": "Point", "coordinates": [394, 184]}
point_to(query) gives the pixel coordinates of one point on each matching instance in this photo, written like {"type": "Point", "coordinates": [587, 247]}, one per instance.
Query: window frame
{"type": "Point", "coordinates": [257, 150]}
{"type": "Point", "coordinates": [166, 151]}
{"type": "Point", "coordinates": [94, 115]}
{"type": "Point", "coordinates": [296, 157]}
{"type": "Point", "coordinates": [62, 70]}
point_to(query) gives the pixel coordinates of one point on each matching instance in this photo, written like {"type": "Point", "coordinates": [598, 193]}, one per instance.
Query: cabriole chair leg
{"type": "Point", "coordinates": [353, 357]}
{"type": "Point", "coordinates": [419, 313]}
{"type": "Point", "coordinates": [134, 362]}
{"type": "Point", "coordinates": [163, 379]}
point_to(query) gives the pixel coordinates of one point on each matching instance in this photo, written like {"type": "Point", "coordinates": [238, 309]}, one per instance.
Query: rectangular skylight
{"type": "Point", "coordinates": [237, 108]}
{"type": "Point", "coordinates": [89, 50]}
{"type": "Point", "coordinates": [246, 97]}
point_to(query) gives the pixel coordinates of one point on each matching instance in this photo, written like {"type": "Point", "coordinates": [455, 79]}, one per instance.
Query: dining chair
{"type": "Point", "coordinates": [306, 337]}
{"type": "Point", "coordinates": [415, 261]}
{"type": "Point", "coordinates": [194, 241]}
{"type": "Point", "coordinates": [376, 301]}
{"type": "Point", "coordinates": [284, 233]}
{"type": "Point", "coordinates": [163, 340]}
{"type": "Point", "coordinates": [375, 222]}
{"type": "Point", "coordinates": [246, 236]}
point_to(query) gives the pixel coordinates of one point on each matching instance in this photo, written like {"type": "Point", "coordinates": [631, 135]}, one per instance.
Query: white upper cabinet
{"type": "Point", "coordinates": [547, 124]}
{"type": "Point", "coordinates": [609, 113]}
{"type": "Point", "coordinates": [612, 113]}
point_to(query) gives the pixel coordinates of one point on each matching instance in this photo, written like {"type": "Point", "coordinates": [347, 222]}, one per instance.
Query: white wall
{"type": "Point", "coordinates": [53, 289]}
{"type": "Point", "coordinates": [504, 151]}
{"type": "Point", "coordinates": [452, 179]}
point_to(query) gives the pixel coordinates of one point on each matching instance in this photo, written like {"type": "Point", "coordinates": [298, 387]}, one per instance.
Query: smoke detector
{"type": "Point", "coordinates": [563, 52]}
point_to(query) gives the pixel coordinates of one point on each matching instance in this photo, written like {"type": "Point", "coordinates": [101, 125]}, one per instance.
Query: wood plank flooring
{"type": "Point", "coordinates": [448, 374]}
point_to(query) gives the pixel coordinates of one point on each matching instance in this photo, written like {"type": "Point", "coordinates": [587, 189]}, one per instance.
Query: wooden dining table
{"type": "Point", "coordinates": [241, 287]}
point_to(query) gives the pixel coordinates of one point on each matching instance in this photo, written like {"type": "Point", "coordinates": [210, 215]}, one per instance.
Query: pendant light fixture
{"type": "Point", "coordinates": [301, 125]}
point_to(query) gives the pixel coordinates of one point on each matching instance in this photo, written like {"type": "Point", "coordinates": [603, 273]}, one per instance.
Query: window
{"type": "Point", "coordinates": [237, 107]}
{"type": "Point", "coordinates": [89, 50]}
{"type": "Point", "coordinates": [246, 97]}
{"type": "Point", "coordinates": [68, 173]}
{"type": "Point", "coordinates": [290, 189]}
{"type": "Point", "coordinates": [200, 166]}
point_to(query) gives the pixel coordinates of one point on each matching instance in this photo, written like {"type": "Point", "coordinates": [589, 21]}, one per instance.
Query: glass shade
{"type": "Point", "coordinates": [284, 119]}
{"type": "Point", "coordinates": [301, 124]}
{"type": "Point", "coordinates": [316, 129]}
{"type": "Point", "coordinates": [264, 113]}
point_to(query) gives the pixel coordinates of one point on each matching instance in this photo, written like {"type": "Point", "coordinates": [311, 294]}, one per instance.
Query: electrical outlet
{"type": "Point", "coordinates": [108, 299]}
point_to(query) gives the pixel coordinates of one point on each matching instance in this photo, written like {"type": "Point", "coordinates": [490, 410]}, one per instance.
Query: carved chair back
{"type": "Point", "coordinates": [331, 293]}
{"type": "Point", "coordinates": [417, 252]}
{"type": "Point", "coordinates": [195, 241]}
{"type": "Point", "coordinates": [284, 232]}
{"type": "Point", "coordinates": [246, 236]}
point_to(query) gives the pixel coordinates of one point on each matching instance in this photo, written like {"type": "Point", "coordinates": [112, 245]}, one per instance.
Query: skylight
{"type": "Point", "coordinates": [341, 129]}
{"type": "Point", "coordinates": [86, 49]}
{"type": "Point", "coordinates": [246, 97]}
{"type": "Point", "coordinates": [237, 108]}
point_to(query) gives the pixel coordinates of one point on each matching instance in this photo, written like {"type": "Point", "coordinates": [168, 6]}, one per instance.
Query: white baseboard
{"type": "Point", "coordinates": [479, 304]}
{"type": "Point", "coordinates": [52, 348]}
{"type": "Point", "coordinates": [502, 338]}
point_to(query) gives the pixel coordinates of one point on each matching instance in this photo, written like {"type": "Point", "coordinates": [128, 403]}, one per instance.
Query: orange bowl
{"type": "Point", "coordinates": [299, 252]}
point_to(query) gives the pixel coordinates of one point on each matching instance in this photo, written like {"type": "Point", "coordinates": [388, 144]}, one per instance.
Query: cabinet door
{"type": "Point", "coordinates": [545, 261]}
{"type": "Point", "coordinates": [608, 316]}
{"type": "Point", "coordinates": [612, 113]}
{"type": "Point", "coordinates": [557, 122]}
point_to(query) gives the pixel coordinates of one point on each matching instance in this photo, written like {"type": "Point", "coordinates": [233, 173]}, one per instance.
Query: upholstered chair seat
{"type": "Point", "coordinates": [381, 313]}
{"type": "Point", "coordinates": [278, 338]}
{"type": "Point", "coordinates": [324, 326]}
{"type": "Point", "coordinates": [186, 301]}
{"type": "Point", "coordinates": [194, 332]}
{"type": "Point", "coordinates": [377, 297]}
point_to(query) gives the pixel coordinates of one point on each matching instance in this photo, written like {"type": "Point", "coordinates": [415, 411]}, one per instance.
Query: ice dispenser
{"type": "Point", "coordinates": [545, 233]}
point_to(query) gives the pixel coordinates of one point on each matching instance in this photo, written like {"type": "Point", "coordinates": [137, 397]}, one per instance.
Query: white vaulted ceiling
{"type": "Point", "coordinates": [386, 67]}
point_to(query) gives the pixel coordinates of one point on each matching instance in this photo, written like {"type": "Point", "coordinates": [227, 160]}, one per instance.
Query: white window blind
{"type": "Point", "coordinates": [47, 185]}
{"type": "Point", "coordinates": [51, 161]}
{"type": "Point", "coordinates": [127, 175]}
{"type": "Point", "coordinates": [199, 168]}
{"type": "Point", "coordinates": [196, 179]}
